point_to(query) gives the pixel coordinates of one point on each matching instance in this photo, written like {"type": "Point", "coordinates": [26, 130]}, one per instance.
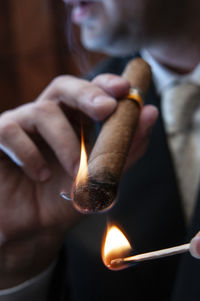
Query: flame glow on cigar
{"type": "Point", "coordinates": [82, 175]}
{"type": "Point", "coordinates": [115, 245]}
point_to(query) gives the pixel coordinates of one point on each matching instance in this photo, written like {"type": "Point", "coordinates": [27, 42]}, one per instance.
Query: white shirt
{"type": "Point", "coordinates": [186, 157]}
{"type": "Point", "coordinates": [164, 77]}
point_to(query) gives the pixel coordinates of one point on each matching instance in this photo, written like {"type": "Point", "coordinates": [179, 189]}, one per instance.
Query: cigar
{"type": "Point", "coordinates": [107, 159]}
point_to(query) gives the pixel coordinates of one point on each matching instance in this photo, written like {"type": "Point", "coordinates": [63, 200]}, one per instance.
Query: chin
{"type": "Point", "coordinates": [109, 45]}
{"type": "Point", "coordinates": [93, 39]}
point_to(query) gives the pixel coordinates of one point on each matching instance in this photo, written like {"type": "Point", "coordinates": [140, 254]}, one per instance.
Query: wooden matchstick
{"type": "Point", "coordinates": [119, 262]}
{"type": "Point", "coordinates": [107, 159]}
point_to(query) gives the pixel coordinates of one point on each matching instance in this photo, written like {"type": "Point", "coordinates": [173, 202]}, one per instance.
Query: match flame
{"type": "Point", "coordinates": [82, 175]}
{"type": "Point", "coordinates": [115, 245]}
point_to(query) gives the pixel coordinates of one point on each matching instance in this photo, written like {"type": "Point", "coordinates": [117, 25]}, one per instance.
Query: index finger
{"type": "Point", "coordinates": [90, 98]}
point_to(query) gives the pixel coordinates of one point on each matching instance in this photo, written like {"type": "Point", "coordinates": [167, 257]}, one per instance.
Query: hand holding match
{"type": "Point", "coordinates": [107, 159]}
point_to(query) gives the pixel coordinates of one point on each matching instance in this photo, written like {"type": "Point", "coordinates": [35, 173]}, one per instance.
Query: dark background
{"type": "Point", "coordinates": [37, 43]}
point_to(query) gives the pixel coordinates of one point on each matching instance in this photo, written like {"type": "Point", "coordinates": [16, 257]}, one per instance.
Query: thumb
{"type": "Point", "coordinates": [195, 246]}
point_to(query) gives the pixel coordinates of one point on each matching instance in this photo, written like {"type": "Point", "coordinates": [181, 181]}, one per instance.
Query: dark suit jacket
{"type": "Point", "coordinates": [150, 211]}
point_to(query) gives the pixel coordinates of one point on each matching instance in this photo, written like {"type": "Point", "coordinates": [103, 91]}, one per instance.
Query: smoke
{"type": "Point", "coordinates": [79, 54]}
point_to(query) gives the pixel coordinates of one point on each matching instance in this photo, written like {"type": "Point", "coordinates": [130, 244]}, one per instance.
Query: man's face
{"type": "Point", "coordinates": [123, 26]}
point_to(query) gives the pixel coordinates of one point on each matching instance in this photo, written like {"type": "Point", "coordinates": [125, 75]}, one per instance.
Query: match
{"type": "Point", "coordinates": [150, 255]}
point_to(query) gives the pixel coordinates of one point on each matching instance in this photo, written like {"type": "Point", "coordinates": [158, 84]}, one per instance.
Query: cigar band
{"type": "Point", "coordinates": [135, 95]}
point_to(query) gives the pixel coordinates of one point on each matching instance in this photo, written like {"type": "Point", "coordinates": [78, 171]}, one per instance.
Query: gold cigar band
{"type": "Point", "coordinates": [134, 94]}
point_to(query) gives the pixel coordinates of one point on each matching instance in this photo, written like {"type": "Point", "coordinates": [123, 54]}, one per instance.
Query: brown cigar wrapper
{"type": "Point", "coordinates": [107, 159]}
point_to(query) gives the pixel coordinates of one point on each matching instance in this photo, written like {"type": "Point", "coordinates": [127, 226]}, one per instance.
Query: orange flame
{"type": "Point", "coordinates": [82, 174]}
{"type": "Point", "coordinates": [115, 245]}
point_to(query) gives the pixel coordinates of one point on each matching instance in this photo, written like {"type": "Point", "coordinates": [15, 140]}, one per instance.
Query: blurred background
{"type": "Point", "coordinates": [37, 43]}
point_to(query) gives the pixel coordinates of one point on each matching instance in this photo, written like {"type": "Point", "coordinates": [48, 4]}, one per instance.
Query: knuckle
{"type": "Point", "coordinates": [108, 79]}
{"type": "Point", "coordinates": [7, 117]}
{"type": "Point", "coordinates": [114, 85]}
{"type": "Point", "coordinates": [57, 84]}
{"type": "Point", "coordinates": [94, 112]}
{"type": "Point", "coordinates": [44, 107]}
{"type": "Point", "coordinates": [89, 93]}
{"type": "Point", "coordinates": [55, 89]}
{"type": "Point", "coordinates": [105, 77]}
{"type": "Point", "coordinates": [7, 129]}
{"type": "Point", "coordinates": [58, 80]}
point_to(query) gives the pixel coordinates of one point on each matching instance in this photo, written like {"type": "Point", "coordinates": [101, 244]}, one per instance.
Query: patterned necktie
{"type": "Point", "coordinates": [181, 114]}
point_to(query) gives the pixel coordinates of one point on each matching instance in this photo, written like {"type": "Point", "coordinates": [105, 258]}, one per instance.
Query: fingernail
{"type": "Point", "coordinates": [104, 100]}
{"type": "Point", "coordinates": [45, 174]}
{"type": "Point", "coordinates": [195, 247]}
{"type": "Point", "coordinates": [117, 81]}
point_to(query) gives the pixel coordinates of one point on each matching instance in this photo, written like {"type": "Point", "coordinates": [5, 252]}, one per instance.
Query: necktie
{"type": "Point", "coordinates": [180, 107]}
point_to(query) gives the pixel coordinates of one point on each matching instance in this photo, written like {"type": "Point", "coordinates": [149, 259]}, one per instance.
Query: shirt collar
{"type": "Point", "coordinates": [164, 77]}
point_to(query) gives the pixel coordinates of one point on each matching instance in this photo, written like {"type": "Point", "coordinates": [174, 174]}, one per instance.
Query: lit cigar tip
{"type": "Point", "coordinates": [94, 196]}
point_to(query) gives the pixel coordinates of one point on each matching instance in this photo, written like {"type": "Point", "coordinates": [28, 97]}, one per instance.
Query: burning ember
{"type": "Point", "coordinates": [115, 245]}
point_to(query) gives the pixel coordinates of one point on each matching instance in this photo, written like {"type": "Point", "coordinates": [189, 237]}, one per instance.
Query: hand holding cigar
{"type": "Point", "coordinates": [109, 154]}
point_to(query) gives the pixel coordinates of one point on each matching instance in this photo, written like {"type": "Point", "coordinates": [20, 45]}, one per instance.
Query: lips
{"type": "Point", "coordinates": [82, 10]}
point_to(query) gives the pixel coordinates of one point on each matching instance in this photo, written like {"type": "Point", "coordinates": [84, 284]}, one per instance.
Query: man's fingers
{"type": "Point", "coordinates": [47, 120]}
{"type": "Point", "coordinates": [81, 95]}
{"type": "Point", "coordinates": [15, 143]}
{"type": "Point", "coordinates": [114, 85]}
{"type": "Point", "coordinates": [147, 120]}
{"type": "Point", "coordinates": [52, 125]}
{"type": "Point", "coordinates": [96, 99]}
{"type": "Point", "coordinates": [195, 246]}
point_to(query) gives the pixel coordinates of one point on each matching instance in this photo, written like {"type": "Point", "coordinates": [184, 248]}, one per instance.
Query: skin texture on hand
{"type": "Point", "coordinates": [39, 156]}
